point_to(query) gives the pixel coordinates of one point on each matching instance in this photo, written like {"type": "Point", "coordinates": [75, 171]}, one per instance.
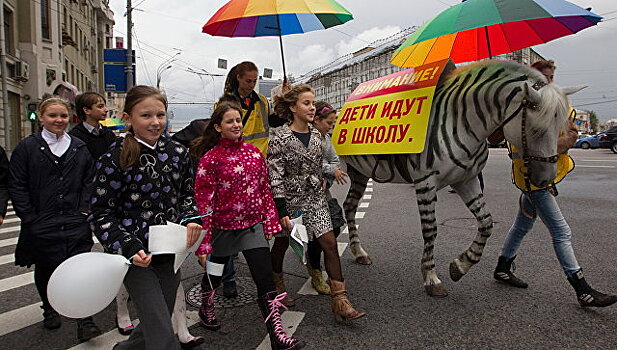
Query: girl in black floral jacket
{"type": "Point", "coordinates": [146, 179]}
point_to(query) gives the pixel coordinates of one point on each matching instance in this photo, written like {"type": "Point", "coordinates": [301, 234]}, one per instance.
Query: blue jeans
{"type": "Point", "coordinates": [546, 207]}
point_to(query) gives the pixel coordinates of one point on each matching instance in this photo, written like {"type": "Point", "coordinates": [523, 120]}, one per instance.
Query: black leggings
{"type": "Point", "coordinates": [314, 250]}
{"type": "Point", "coordinates": [42, 274]}
{"type": "Point", "coordinates": [260, 264]}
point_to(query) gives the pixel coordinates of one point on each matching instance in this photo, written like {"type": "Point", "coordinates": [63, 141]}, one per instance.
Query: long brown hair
{"type": "Point", "coordinates": [211, 137]}
{"type": "Point", "coordinates": [130, 147]}
{"type": "Point", "coordinates": [283, 103]}
{"type": "Point", "coordinates": [231, 82]}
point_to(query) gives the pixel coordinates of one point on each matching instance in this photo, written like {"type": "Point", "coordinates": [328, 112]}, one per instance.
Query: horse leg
{"type": "Point", "coordinates": [470, 193]}
{"type": "Point", "coordinates": [426, 195]}
{"type": "Point", "coordinates": [356, 190]}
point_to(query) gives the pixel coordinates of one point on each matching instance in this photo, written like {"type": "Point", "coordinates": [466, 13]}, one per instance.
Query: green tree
{"type": "Point", "coordinates": [593, 119]}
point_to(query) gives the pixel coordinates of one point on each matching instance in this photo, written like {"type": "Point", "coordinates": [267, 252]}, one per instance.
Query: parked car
{"type": "Point", "coordinates": [587, 141]}
{"type": "Point", "coordinates": [609, 139]}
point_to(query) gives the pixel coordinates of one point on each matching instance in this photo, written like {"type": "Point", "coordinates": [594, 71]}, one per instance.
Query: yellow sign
{"type": "Point", "coordinates": [388, 115]}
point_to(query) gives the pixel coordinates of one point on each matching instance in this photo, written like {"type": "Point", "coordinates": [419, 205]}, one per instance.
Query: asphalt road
{"type": "Point", "coordinates": [479, 312]}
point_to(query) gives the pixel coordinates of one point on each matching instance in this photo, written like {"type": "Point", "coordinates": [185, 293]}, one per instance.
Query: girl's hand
{"type": "Point", "coordinates": [193, 231]}
{"type": "Point", "coordinates": [340, 176]}
{"type": "Point", "coordinates": [286, 223]}
{"type": "Point", "coordinates": [202, 259]}
{"type": "Point", "coordinates": [142, 259]}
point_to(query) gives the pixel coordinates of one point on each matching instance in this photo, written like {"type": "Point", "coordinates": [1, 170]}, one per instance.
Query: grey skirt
{"type": "Point", "coordinates": [230, 242]}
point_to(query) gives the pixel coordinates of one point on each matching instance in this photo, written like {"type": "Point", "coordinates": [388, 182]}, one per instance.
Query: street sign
{"type": "Point", "coordinates": [222, 63]}
{"type": "Point", "coordinates": [115, 77]}
{"type": "Point", "coordinates": [268, 73]}
{"type": "Point", "coordinates": [116, 55]}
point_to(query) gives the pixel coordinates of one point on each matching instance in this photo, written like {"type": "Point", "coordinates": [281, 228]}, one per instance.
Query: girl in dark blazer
{"type": "Point", "coordinates": [50, 177]}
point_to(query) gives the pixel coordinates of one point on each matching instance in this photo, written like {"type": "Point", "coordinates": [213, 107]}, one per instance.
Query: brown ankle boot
{"type": "Point", "coordinates": [279, 283]}
{"type": "Point", "coordinates": [341, 306]}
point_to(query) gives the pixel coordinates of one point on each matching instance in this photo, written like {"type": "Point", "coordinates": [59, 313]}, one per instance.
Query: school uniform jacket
{"type": "Point", "coordinates": [157, 189]}
{"type": "Point", "coordinates": [97, 144]}
{"type": "Point", "coordinates": [51, 198]}
{"type": "Point", "coordinates": [232, 181]}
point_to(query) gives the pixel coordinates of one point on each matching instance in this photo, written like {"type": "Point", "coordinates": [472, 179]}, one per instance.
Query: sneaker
{"type": "Point", "coordinates": [87, 329]}
{"type": "Point", "coordinates": [51, 319]}
{"type": "Point", "coordinates": [230, 290]}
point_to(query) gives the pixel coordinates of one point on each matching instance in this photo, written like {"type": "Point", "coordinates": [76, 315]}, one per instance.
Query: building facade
{"type": "Point", "coordinates": [334, 81]}
{"type": "Point", "coordinates": [52, 47]}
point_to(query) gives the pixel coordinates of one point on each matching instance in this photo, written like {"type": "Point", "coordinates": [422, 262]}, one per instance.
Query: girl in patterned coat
{"type": "Point", "coordinates": [295, 167]}
{"type": "Point", "coordinates": [145, 179]}
{"type": "Point", "coordinates": [232, 182]}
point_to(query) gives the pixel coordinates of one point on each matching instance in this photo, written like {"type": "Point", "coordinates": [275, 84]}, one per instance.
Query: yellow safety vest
{"type": "Point", "coordinates": [565, 164]}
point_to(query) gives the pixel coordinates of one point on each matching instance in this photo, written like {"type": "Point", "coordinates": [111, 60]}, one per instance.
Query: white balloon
{"type": "Point", "coordinates": [85, 284]}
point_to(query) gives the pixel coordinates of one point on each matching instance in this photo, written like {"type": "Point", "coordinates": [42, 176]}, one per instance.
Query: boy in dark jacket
{"type": "Point", "coordinates": [91, 109]}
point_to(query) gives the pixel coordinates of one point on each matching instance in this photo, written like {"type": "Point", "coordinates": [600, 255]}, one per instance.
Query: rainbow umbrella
{"type": "Point", "coordinates": [477, 29]}
{"type": "Point", "coordinates": [113, 123]}
{"type": "Point", "coordinates": [253, 18]}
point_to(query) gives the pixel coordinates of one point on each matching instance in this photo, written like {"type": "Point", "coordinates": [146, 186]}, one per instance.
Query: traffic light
{"type": "Point", "coordinates": [32, 116]}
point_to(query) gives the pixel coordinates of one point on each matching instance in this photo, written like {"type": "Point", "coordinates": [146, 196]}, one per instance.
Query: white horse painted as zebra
{"type": "Point", "coordinates": [469, 104]}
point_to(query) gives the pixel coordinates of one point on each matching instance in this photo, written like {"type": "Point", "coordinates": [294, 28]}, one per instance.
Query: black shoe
{"type": "Point", "coordinates": [587, 296]}
{"type": "Point", "coordinates": [502, 273]}
{"type": "Point", "coordinates": [87, 329]}
{"type": "Point", "coordinates": [51, 319]}
{"type": "Point", "coordinates": [230, 290]}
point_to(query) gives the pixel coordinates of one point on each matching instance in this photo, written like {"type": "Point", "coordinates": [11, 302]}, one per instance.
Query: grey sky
{"type": "Point", "coordinates": [587, 57]}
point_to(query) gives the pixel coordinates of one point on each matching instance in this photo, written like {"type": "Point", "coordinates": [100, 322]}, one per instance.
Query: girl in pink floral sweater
{"type": "Point", "coordinates": [232, 182]}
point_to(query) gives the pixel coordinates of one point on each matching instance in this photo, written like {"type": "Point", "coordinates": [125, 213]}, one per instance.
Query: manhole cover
{"type": "Point", "coordinates": [247, 293]}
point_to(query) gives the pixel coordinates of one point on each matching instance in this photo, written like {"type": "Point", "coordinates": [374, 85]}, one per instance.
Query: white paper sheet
{"type": "Point", "coordinates": [171, 239]}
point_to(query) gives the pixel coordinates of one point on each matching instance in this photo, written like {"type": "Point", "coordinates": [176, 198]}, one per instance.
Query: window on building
{"type": "Point", "coordinates": [9, 43]}
{"type": "Point", "coordinates": [46, 19]}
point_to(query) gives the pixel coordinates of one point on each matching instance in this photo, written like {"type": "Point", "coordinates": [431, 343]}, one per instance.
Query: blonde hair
{"type": "Point", "coordinates": [283, 103]}
{"type": "Point", "coordinates": [54, 100]}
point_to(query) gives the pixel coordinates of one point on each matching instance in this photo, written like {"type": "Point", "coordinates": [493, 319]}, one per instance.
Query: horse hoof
{"type": "Point", "coordinates": [436, 290]}
{"type": "Point", "coordinates": [455, 272]}
{"type": "Point", "coordinates": [364, 260]}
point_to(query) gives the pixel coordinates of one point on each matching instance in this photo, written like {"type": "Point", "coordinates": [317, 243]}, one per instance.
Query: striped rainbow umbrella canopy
{"type": "Point", "coordinates": [477, 29]}
{"type": "Point", "coordinates": [252, 18]}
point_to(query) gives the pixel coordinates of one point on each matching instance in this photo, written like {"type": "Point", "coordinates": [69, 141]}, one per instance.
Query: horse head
{"type": "Point", "coordinates": [535, 129]}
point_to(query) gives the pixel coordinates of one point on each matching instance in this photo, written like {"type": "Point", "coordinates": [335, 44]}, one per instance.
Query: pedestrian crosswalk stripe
{"type": "Point", "coordinates": [9, 229]}
{"type": "Point", "coordinates": [363, 205]}
{"type": "Point", "coordinates": [11, 220]}
{"type": "Point", "coordinates": [7, 259]}
{"type": "Point", "coordinates": [291, 321]}
{"type": "Point", "coordinates": [360, 215]}
{"type": "Point", "coordinates": [367, 196]}
{"type": "Point", "coordinates": [369, 189]}
{"type": "Point", "coordinates": [17, 319]}
{"type": "Point", "coordinates": [16, 281]}
{"type": "Point", "coordinates": [8, 242]}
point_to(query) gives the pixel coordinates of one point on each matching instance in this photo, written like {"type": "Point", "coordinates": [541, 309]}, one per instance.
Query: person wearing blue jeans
{"type": "Point", "coordinates": [229, 280]}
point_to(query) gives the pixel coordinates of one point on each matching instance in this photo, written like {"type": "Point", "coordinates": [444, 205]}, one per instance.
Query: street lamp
{"type": "Point", "coordinates": [159, 74]}
{"type": "Point", "coordinates": [165, 66]}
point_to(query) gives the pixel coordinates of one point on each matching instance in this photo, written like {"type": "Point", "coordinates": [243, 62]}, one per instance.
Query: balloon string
{"type": "Point", "coordinates": [208, 213]}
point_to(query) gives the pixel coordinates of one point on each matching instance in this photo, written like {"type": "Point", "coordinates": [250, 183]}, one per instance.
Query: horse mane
{"type": "Point", "coordinates": [550, 98]}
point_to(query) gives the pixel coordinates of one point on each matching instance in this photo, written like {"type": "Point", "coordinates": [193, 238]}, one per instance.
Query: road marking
{"type": "Point", "coordinates": [291, 321]}
{"type": "Point", "coordinates": [360, 215]}
{"type": "Point", "coordinates": [11, 220]}
{"type": "Point", "coordinates": [109, 339]}
{"type": "Point", "coordinates": [9, 229]}
{"type": "Point", "coordinates": [6, 259]}
{"type": "Point", "coordinates": [363, 205]}
{"type": "Point", "coordinates": [369, 189]}
{"type": "Point", "coordinates": [16, 281]}
{"type": "Point", "coordinates": [307, 287]}
{"type": "Point", "coordinates": [17, 319]}
{"type": "Point", "coordinates": [367, 196]}
{"type": "Point", "coordinates": [595, 166]}
{"type": "Point", "coordinates": [8, 242]}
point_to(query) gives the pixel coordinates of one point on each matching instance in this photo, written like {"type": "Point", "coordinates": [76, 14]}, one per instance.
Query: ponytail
{"type": "Point", "coordinates": [130, 151]}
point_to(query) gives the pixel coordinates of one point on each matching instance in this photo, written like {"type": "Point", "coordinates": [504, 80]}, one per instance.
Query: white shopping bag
{"type": "Point", "coordinates": [171, 239]}
{"type": "Point", "coordinates": [299, 239]}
